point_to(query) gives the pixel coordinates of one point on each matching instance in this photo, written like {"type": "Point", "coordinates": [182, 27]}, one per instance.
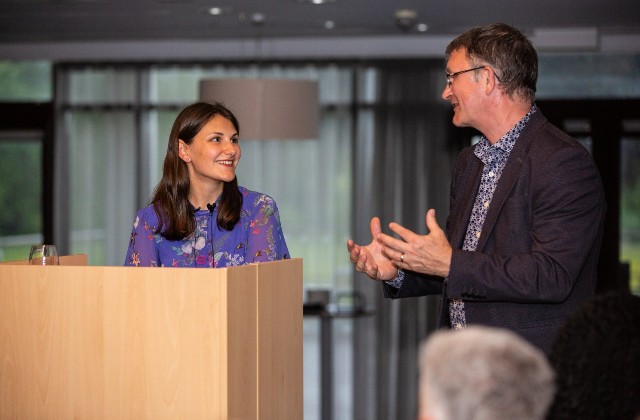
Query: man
{"type": "Point", "coordinates": [483, 373]}
{"type": "Point", "coordinates": [526, 205]}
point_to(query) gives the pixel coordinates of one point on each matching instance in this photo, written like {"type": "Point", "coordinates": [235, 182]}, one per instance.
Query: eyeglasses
{"type": "Point", "coordinates": [450, 76]}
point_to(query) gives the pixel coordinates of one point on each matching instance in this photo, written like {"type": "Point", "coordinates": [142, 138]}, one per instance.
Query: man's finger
{"type": "Point", "coordinates": [376, 229]}
{"type": "Point", "coordinates": [402, 231]}
{"type": "Point", "coordinates": [432, 223]}
{"type": "Point", "coordinates": [390, 242]}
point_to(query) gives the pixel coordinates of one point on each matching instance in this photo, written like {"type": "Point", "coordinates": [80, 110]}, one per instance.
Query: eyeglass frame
{"type": "Point", "coordinates": [450, 76]}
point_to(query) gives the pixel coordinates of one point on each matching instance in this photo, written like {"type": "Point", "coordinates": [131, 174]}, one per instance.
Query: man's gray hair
{"type": "Point", "coordinates": [508, 51]}
{"type": "Point", "coordinates": [483, 373]}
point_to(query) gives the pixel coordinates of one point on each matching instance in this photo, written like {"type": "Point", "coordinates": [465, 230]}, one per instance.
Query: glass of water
{"type": "Point", "coordinates": [43, 254]}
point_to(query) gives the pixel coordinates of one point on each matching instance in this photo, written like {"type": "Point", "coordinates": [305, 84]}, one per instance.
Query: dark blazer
{"type": "Point", "coordinates": [537, 255]}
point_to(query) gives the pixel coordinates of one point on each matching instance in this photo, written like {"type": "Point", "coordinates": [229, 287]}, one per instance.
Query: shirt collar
{"type": "Point", "coordinates": [484, 149]}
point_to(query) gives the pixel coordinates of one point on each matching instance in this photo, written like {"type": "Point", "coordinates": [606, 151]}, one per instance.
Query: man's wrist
{"type": "Point", "coordinates": [397, 282]}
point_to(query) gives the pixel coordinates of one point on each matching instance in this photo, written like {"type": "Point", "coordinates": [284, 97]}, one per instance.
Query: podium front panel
{"type": "Point", "coordinates": [155, 343]}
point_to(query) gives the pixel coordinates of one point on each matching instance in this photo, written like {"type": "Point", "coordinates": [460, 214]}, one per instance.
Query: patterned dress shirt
{"type": "Point", "coordinates": [494, 158]}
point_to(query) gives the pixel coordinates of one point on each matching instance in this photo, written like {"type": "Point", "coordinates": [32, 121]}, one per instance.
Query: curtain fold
{"type": "Point", "coordinates": [402, 163]}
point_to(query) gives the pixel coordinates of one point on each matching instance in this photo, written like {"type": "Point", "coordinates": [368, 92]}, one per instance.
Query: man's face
{"type": "Point", "coordinates": [465, 92]}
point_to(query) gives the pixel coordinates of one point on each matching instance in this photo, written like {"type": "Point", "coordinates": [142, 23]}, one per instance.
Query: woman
{"type": "Point", "coordinates": [199, 216]}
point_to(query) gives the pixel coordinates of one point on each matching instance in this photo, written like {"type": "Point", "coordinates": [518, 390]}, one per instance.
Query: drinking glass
{"type": "Point", "coordinates": [43, 254]}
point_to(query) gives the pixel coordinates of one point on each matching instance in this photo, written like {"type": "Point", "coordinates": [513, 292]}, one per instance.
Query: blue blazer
{"type": "Point", "coordinates": [537, 255]}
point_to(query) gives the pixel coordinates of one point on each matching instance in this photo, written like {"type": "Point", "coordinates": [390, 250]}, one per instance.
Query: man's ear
{"type": "Point", "coordinates": [490, 80]}
{"type": "Point", "coordinates": [183, 151]}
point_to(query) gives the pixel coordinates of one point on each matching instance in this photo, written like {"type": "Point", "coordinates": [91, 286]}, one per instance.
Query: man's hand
{"type": "Point", "coordinates": [370, 259]}
{"type": "Point", "coordinates": [426, 254]}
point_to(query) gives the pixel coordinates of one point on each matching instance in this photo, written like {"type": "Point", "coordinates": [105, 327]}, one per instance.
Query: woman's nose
{"type": "Point", "coordinates": [230, 148]}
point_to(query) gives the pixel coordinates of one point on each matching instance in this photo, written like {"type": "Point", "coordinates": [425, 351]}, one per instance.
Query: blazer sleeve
{"type": "Point", "coordinates": [414, 284]}
{"type": "Point", "coordinates": [417, 284]}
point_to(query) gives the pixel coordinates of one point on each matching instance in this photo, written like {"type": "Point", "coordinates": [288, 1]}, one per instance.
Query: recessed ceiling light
{"type": "Point", "coordinates": [217, 10]}
{"type": "Point", "coordinates": [422, 27]}
{"type": "Point", "coordinates": [405, 18]}
{"type": "Point", "coordinates": [316, 1]}
{"type": "Point", "coordinates": [258, 19]}
{"type": "Point", "coordinates": [329, 24]}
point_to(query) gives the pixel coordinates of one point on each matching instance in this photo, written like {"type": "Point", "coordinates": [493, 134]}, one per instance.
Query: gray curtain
{"type": "Point", "coordinates": [402, 164]}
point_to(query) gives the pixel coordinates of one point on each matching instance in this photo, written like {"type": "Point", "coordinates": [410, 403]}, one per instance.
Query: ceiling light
{"type": "Point", "coordinates": [214, 11]}
{"type": "Point", "coordinates": [316, 1]}
{"type": "Point", "coordinates": [329, 24]}
{"type": "Point", "coordinates": [258, 19]}
{"type": "Point", "coordinates": [405, 18]}
{"type": "Point", "coordinates": [422, 27]}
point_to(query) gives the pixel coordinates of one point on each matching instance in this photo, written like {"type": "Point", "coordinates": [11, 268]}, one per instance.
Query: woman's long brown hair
{"type": "Point", "coordinates": [171, 196]}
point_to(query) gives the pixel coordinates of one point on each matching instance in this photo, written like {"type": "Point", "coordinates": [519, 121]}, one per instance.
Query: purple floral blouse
{"type": "Point", "coordinates": [257, 237]}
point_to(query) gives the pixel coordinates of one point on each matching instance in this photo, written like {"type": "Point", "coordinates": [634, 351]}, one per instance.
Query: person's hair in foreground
{"type": "Point", "coordinates": [171, 197]}
{"type": "Point", "coordinates": [596, 355]}
{"type": "Point", "coordinates": [483, 373]}
{"type": "Point", "coordinates": [507, 51]}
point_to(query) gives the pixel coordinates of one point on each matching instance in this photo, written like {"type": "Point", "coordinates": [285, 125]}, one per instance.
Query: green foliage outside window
{"type": "Point", "coordinates": [630, 210]}
{"type": "Point", "coordinates": [20, 189]}
{"type": "Point", "coordinates": [25, 81]}
{"type": "Point", "coordinates": [21, 168]}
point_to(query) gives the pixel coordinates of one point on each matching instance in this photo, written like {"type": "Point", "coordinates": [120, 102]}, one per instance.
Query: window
{"type": "Point", "coordinates": [630, 209]}
{"type": "Point", "coordinates": [25, 81]}
{"type": "Point", "coordinates": [21, 221]}
{"type": "Point", "coordinates": [116, 121]}
{"type": "Point", "coordinates": [23, 141]}
{"type": "Point", "coordinates": [116, 141]}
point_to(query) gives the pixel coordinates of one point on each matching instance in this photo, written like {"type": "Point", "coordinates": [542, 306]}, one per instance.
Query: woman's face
{"type": "Point", "coordinates": [214, 153]}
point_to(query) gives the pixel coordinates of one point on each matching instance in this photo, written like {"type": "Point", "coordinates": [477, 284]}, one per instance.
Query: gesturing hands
{"type": "Point", "coordinates": [426, 254]}
{"type": "Point", "coordinates": [370, 259]}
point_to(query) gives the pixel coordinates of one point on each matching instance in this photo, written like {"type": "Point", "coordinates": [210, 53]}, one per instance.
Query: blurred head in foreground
{"type": "Point", "coordinates": [483, 373]}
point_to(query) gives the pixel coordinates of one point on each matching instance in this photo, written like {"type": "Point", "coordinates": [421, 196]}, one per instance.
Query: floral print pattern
{"type": "Point", "coordinates": [257, 237]}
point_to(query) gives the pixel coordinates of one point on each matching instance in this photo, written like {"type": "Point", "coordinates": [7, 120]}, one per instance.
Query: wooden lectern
{"type": "Point", "coordinates": [88, 342]}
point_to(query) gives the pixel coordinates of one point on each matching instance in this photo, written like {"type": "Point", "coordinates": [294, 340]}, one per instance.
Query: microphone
{"type": "Point", "coordinates": [209, 206]}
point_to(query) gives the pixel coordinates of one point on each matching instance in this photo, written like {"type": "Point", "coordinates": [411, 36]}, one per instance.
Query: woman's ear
{"type": "Point", "coordinates": [183, 151]}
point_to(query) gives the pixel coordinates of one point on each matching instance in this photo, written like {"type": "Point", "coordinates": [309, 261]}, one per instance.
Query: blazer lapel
{"type": "Point", "coordinates": [509, 176]}
{"type": "Point", "coordinates": [463, 203]}
{"type": "Point", "coordinates": [507, 180]}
